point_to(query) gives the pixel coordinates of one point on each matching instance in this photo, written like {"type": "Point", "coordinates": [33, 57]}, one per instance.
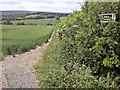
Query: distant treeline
{"type": "Point", "coordinates": [37, 15]}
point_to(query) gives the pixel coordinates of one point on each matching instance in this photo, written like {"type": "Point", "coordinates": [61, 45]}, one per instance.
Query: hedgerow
{"type": "Point", "coordinates": [87, 52]}
{"type": "Point", "coordinates": [86, 40]}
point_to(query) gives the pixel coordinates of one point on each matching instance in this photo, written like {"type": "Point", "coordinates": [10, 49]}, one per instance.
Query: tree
{"type": "Point", "coordinates": [58, 18]}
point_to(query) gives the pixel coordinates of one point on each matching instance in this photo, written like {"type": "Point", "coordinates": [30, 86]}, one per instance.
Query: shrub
{"type": "Point", "coordinates": [20, 23]}
{"type": "Point", "coordinates": [85, 40]}
{"type": "Point", "coordinates": [86, 52]}
{"type": "Point", "coordinates": [49, 24]}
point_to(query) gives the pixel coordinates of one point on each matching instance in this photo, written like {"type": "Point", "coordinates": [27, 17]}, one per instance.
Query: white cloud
{"type": "Point", "coordinates": [41, 5]}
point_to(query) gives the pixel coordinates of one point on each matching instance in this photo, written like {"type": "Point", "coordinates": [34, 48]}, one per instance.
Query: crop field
{"type": "Point", "coordinates": [22, 38]}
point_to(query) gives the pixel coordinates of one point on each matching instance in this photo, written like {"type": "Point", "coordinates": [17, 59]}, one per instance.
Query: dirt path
{"type": "Point", "coordinates": [18, 71]}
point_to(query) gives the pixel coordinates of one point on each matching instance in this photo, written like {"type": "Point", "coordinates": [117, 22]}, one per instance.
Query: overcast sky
{"type": "Point", "coordinates": [41, 5]}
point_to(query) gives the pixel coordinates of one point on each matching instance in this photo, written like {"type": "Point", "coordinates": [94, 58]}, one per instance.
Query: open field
{"type": "Point", "coordinates": [22, 38]}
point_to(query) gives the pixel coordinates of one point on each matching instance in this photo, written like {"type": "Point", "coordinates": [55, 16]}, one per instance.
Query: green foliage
{"type": "Point", "coordinates": [85, 53]}
{"type": "Point", "coordinates": [58, 18]}
{"type": "Point", "coordinates": [84, 39]}
{"type": "Point", "coordinates": [69, 75]}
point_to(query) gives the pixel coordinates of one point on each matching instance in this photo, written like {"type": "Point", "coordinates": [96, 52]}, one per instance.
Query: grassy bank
{"type": "Point", "coordinates": [48, 63]}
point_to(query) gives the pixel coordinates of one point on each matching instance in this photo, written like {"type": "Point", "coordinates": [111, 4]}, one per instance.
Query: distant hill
{"type": "Point", "coordinates": [9, 12]}
{"type": "Point", "coordinates": [22, 15]}
{"type": "Point", "coordinates": [51, 13]}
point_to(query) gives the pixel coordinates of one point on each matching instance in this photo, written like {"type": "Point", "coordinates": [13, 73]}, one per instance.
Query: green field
{"type": "Point", "coordinates": [22, 38]}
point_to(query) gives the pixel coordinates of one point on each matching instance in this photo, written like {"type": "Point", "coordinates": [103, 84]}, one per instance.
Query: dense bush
{"type": "Point", "coordinates": [87, 54]}
{"type": "Point", "coordinates": [53, 72]}
{"type": "Point", "coordinates": [86, 40]}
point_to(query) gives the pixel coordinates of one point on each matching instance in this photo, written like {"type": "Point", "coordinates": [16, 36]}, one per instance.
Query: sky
{"type": "Point", "coordinates": [66, 6]}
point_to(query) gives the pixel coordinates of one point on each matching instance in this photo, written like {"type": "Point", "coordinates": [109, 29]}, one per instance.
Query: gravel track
{"type": "Point", "coordinates": [18, 72]}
